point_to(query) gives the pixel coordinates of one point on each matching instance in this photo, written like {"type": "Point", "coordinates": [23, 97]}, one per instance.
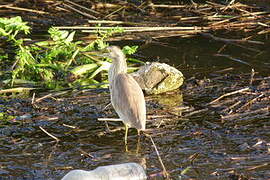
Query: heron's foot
{"type": "Point", "coordinates": [126, 148]}
{"type": "Point", "coordinates": [138, 144]}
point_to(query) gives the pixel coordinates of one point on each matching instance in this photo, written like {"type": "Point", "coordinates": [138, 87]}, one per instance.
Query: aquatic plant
{"type": "Point", "coordinates": [55, 63]}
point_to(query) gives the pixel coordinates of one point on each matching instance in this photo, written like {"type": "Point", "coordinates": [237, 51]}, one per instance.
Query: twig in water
{"type": "Point", "coordinates": [80, 12]}
{"type": "Point", "coordinates": [33, 98]}
{"type": "Point", "coordinates": [106, 106]}
{"type": "Point", "coordinates": [109, 15]}
{"type": "Point", "coordinates": [250, 102]}
{"type": "Point", "coordinates": [85, 153]}
{"type": "Point", "coordinates": [109, 119]}
{"type": "Point", "coordinates": [259, 166]}
{"type": "Point", "coordinates": [196, 112]}
{"type": "Point", "coordinates": [110, 131]}
{"type": "Point", "coordinates": [168, 6]}
{"type": "Point", "coordinates": [228, 94]}
{"type": "Point", "coordinates": [166, 174]}
{"type": "Point", "coordinates": [249, 114]}
{"type": "Point", "coordinates": [23, 9]}
{"type": "Point", "coordinates": [66, 125]}
{"type": "Point", "coordinates": [231, 40]}
{"type": "Point", "coordinates": [106, 123]}
{"type": "Point", "coordinates": [231, 108]}
{"type": "Point", "coordinates": [87, 9]}
{"type": "Point", "coordinates": [235, 42]}
{"type": "Point", "coordinates": [52, 136]}
{"type": "Point", "coordinates": [222, 48]}
{"type": "Point", "coordinates": [15, 90]}
{"type": "Point", "coordinates": [44, 97]}
{"type": "Point", "coordinates": [51, 95]}
{"type": "Point", "coordinates": [224, 70]}
{"type": "Point", "coordinates": [232, 58]}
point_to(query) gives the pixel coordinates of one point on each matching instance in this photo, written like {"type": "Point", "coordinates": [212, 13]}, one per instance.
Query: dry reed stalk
{"type": "Point", "coordinates": [166, 174]}
{"type": "Point", "coordinates": [82, 7]}
{"type": "Point", "coordinates": [80, 12]}
{"type": "Point", "coordinates": [230, 109]}
{"type": "Point", "coordinates": [109, 15]}
{"type": "Point", "coordinates": [249, 102]}
{"type": "Point", "coordinates": [109, 119]}
{"type": "Point", "coordinates": [23, 9]}
{"type": "Point", "coordinates": [16, 90]}
{"type": "Point", "coordinates": [229, 94]}
{"type": "Point", "coordinates": [169, 6]}
{"type": "Point", "coordinates": [209, 16]}
{"type": "Point", "coordinates": [249, 113]}
{"type": "Point", "coordinates": [232, 40]}
{"type": "Point", "coordinates": [49, 134]}
{"type": "Point", "coordinates": [135, 28]}
{"type": "Point", "coordinates": [232, 58]}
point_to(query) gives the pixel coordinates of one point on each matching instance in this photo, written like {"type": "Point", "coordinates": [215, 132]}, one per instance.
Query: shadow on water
{"type": "Point", "coordinates": [214, 149]}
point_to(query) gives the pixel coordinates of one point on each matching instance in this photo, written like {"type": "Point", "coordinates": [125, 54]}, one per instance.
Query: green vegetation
{"type": "Point", "coordinates": [53, 64]}
{"type": "Point", "coordinates": [5, 118]}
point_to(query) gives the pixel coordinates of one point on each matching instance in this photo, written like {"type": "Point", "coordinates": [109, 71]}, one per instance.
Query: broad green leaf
{"type": "Point", "coordinates": [79, 70]}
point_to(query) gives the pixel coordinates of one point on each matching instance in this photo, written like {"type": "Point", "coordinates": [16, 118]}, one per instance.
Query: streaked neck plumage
{"type": "Point", "coordinates": [119, 65]}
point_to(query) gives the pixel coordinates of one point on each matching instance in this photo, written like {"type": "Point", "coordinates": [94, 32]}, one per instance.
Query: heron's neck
{"type": "Point", "coordinates": [116, 68]}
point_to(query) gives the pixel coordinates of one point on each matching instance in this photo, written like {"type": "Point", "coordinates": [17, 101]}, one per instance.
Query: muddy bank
{"type": "Point", "coordinates": [218, 131]}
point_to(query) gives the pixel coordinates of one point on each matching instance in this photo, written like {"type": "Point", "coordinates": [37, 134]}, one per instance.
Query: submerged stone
{"type": "Point", "coordinates": [127, 171]}
{"type": "Point", "coordinates": [156, 78]}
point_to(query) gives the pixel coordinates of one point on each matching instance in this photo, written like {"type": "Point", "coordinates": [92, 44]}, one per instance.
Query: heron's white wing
{"type": "Point", "coordinates": [128, 101]}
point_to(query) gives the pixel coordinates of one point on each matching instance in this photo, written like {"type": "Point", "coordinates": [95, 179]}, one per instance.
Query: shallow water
{"type": "Point", "coordinates": [213, 149]}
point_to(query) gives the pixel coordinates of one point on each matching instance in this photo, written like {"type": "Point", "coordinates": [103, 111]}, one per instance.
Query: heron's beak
{"type": "Point", "coordinates": [105, 55]}
{"type": "Point", "coordinates": [102, 53]}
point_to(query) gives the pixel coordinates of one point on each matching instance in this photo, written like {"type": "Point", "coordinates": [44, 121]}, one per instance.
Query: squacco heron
{"type": "Point", "coordinates": [126, 95]}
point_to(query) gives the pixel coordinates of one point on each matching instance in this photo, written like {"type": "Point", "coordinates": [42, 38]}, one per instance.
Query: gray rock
{"type": "Point", "coordinates": [156, 78]}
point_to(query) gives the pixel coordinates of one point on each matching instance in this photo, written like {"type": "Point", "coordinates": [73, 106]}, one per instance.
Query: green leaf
{"type": "Point", "coordinates": [70, 37]}
{"type": "Point", "coordinates": [129, 49]}
{"type": "Point", "coordinates": [79, 70]}
{"type": "Point", "coordinates": [104, 66]}
{"type": "Point", "coordinates": [11, 25]}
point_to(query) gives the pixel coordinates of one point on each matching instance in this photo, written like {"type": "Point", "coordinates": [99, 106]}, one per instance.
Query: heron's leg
{"type": "Point", "coordinates": [126, 133]}
{"type": "Point", "coordinates": [138, 142]}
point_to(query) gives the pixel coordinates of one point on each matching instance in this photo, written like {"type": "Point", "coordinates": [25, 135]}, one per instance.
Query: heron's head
{"type": "Point", "coordinates": [115, 53]}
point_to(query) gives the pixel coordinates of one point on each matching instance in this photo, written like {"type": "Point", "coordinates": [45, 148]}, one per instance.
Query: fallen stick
{"type": "Point", "coordinates": [231, 40]}
{"type": "Point", "coordinates": [23, 9]}
{"type": "Point", "coordinates": [80, 12]}
{"type": "Point", "coordinates": [106, 107]}
{"type": "Point", "coordinates": [16, 90]}
{"type": "Point", "coordinates": [108, 119]}
{"type": "Point", "coordinates": [250, 102]}
{"type": "Point", "coordinates": [196, 112]}
{"type": "Point", "coordinates": [229, 94]}
{"type": "Point", "coordinates": [109, 15]}
{"type": "Point", "coordinates": [245, 114]}
{"type": "Point", "coordinates": [148, 28]}
{"type": "Point", "coordinates": [52, 136]}
{"type": "Point", "coordinates": [87, 9]}
{"type": "Point", "coordinates": [159, 158]}
{"type": "Point", "coordinates": [232, 58]}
